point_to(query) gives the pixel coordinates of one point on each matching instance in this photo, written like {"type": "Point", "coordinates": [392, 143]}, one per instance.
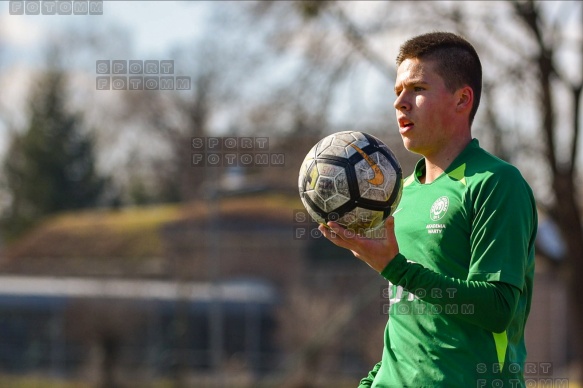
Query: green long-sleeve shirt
{"type": "Point", "coordinates": [461, 288]}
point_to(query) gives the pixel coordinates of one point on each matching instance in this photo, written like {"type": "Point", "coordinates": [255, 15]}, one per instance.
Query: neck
{"type": "Point", "coordinates": [437, 163]}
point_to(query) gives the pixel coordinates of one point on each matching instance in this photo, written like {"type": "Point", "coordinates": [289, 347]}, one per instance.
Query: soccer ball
{"type": "Point", "coordinates": [351, 178]}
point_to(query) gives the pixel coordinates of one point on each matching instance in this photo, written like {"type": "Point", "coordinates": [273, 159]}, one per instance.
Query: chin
{"type": "Point", "coordinates": [409, 146]}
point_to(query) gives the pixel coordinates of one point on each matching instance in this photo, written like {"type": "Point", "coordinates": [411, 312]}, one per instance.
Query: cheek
{"type": "Point", "coordinates": [420, 102]}
{"type": "Point", "coordinates": [427, 106]}
{"type": "Point", "coordinates": [434, 109]}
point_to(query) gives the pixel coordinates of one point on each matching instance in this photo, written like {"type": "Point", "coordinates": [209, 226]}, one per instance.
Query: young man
{"type": "Point", "coordinates": [459, 252]}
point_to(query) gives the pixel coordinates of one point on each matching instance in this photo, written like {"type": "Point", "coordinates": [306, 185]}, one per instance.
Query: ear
{"type": "Point", "coordinates": [465, 99]}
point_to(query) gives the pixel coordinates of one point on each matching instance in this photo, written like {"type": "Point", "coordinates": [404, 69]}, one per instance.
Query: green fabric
{"type": "Point", "coordinates": [367, 381]}
{"type": "Point", "coordinates": [501, 340]}
{"type": "Point", "coordinates": [490, 305]}
{"type": "Point", "coordinates": [465, 272]}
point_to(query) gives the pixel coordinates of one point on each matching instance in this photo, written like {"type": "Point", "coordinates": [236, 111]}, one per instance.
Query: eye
{"type": "Point", "coordinates": [418, 88]}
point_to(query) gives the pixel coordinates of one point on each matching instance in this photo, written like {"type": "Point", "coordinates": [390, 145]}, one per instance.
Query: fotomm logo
{"type": "Point", "coordinates": [52, 7]}
{"type": "Point", "coordinates": [439, 208]}
{"type": "Point", "coordinates": [233, 151]}
{"type": "Point", "coordinates": [139, 75]}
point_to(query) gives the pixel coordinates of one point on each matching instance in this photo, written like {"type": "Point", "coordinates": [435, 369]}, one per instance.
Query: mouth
{"type": "Point", "coordinates": [405, 124]}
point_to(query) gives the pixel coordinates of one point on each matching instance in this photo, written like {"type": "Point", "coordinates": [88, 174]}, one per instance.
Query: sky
{"type": "Point", "coordinates": [155, 25]}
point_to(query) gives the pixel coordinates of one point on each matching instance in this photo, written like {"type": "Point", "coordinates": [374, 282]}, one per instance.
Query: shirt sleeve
{"type": "Point", "coordinates": [367, 381]}
{"type": "Point", "coordinates": [504, 217]}
{"type": "Point", "coordinates": [493, 303]}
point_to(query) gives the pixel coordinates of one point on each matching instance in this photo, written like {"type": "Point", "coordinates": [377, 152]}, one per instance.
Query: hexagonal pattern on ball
{"type": "Point", "coordinates": [312, 213]}
{"type": "Point", "coordinates": [340, 144]}
{"type": "Point", "coordinates": [360, 219]}
{"type": "Point", "coordinates": [330, 190]}
{"type": "Point", "coordinates": [330, 184]}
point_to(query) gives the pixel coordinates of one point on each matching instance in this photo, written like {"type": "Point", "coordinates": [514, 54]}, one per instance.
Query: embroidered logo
{"type": "Point", "coordinates": [439, 208]}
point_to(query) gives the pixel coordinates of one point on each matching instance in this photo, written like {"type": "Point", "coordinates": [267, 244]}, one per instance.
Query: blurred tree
{"type": "Point", "coordinates": [172, 120]}
{"type": "Point", "coordinates": [50, 167]}
{"type": "Point", "coordinates": [564, 206]}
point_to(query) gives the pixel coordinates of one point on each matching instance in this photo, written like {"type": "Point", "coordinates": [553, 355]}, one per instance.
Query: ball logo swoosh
{"type": "Point", "coordinates": [379, 177]}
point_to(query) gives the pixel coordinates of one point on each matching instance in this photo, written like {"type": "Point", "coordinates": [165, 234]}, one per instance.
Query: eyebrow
{"type": "Point", "coordinates": [418, 81]}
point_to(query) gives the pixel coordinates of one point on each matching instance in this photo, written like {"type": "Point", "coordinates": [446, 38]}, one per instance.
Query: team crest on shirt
{"type": "Point", "coordinates": [439, 208]}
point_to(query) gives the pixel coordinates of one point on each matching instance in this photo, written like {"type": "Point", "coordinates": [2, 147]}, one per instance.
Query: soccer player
{"type": "Point", "coordinates": [459, 251]}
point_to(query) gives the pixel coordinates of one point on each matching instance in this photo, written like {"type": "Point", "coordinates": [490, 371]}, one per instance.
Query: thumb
{"type": "Point", "coordinates": [390, 232]}
{"type": "Point", "coordinates": [390, 223]}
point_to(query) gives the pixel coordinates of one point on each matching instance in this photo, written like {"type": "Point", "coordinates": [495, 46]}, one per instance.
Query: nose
{"type": "Point", "coordinates": [402, 103]}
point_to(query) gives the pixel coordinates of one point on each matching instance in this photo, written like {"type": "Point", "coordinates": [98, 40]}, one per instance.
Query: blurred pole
{"type": "Point", "coordinates": [253, 336]}
{"type": "Point", "coordinates": [57, 344]}
{"type": "Point", "coordinates": [181, 330]}
{"type": "Point", "coordinates": [213, 242]}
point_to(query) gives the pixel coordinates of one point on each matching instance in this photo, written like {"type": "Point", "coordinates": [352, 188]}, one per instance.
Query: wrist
{"type": "Point", "coordinates": [384, 262]}
{"type": "Point", "coordinates": [393, 267]}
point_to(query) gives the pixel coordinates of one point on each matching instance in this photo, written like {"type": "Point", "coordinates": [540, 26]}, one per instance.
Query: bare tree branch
{"type": "Point", "coordinates": [355, 37]}
{"type": "Point", "coordinates": [528, 12]}
{"type": "Point", "coordinates": [577, 101]}
{"type": "Point", "coordinates": [576, 91]}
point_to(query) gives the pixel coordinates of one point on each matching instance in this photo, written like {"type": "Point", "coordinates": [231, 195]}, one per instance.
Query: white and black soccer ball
{"type": "Point", "coordinates": [351, 178]}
